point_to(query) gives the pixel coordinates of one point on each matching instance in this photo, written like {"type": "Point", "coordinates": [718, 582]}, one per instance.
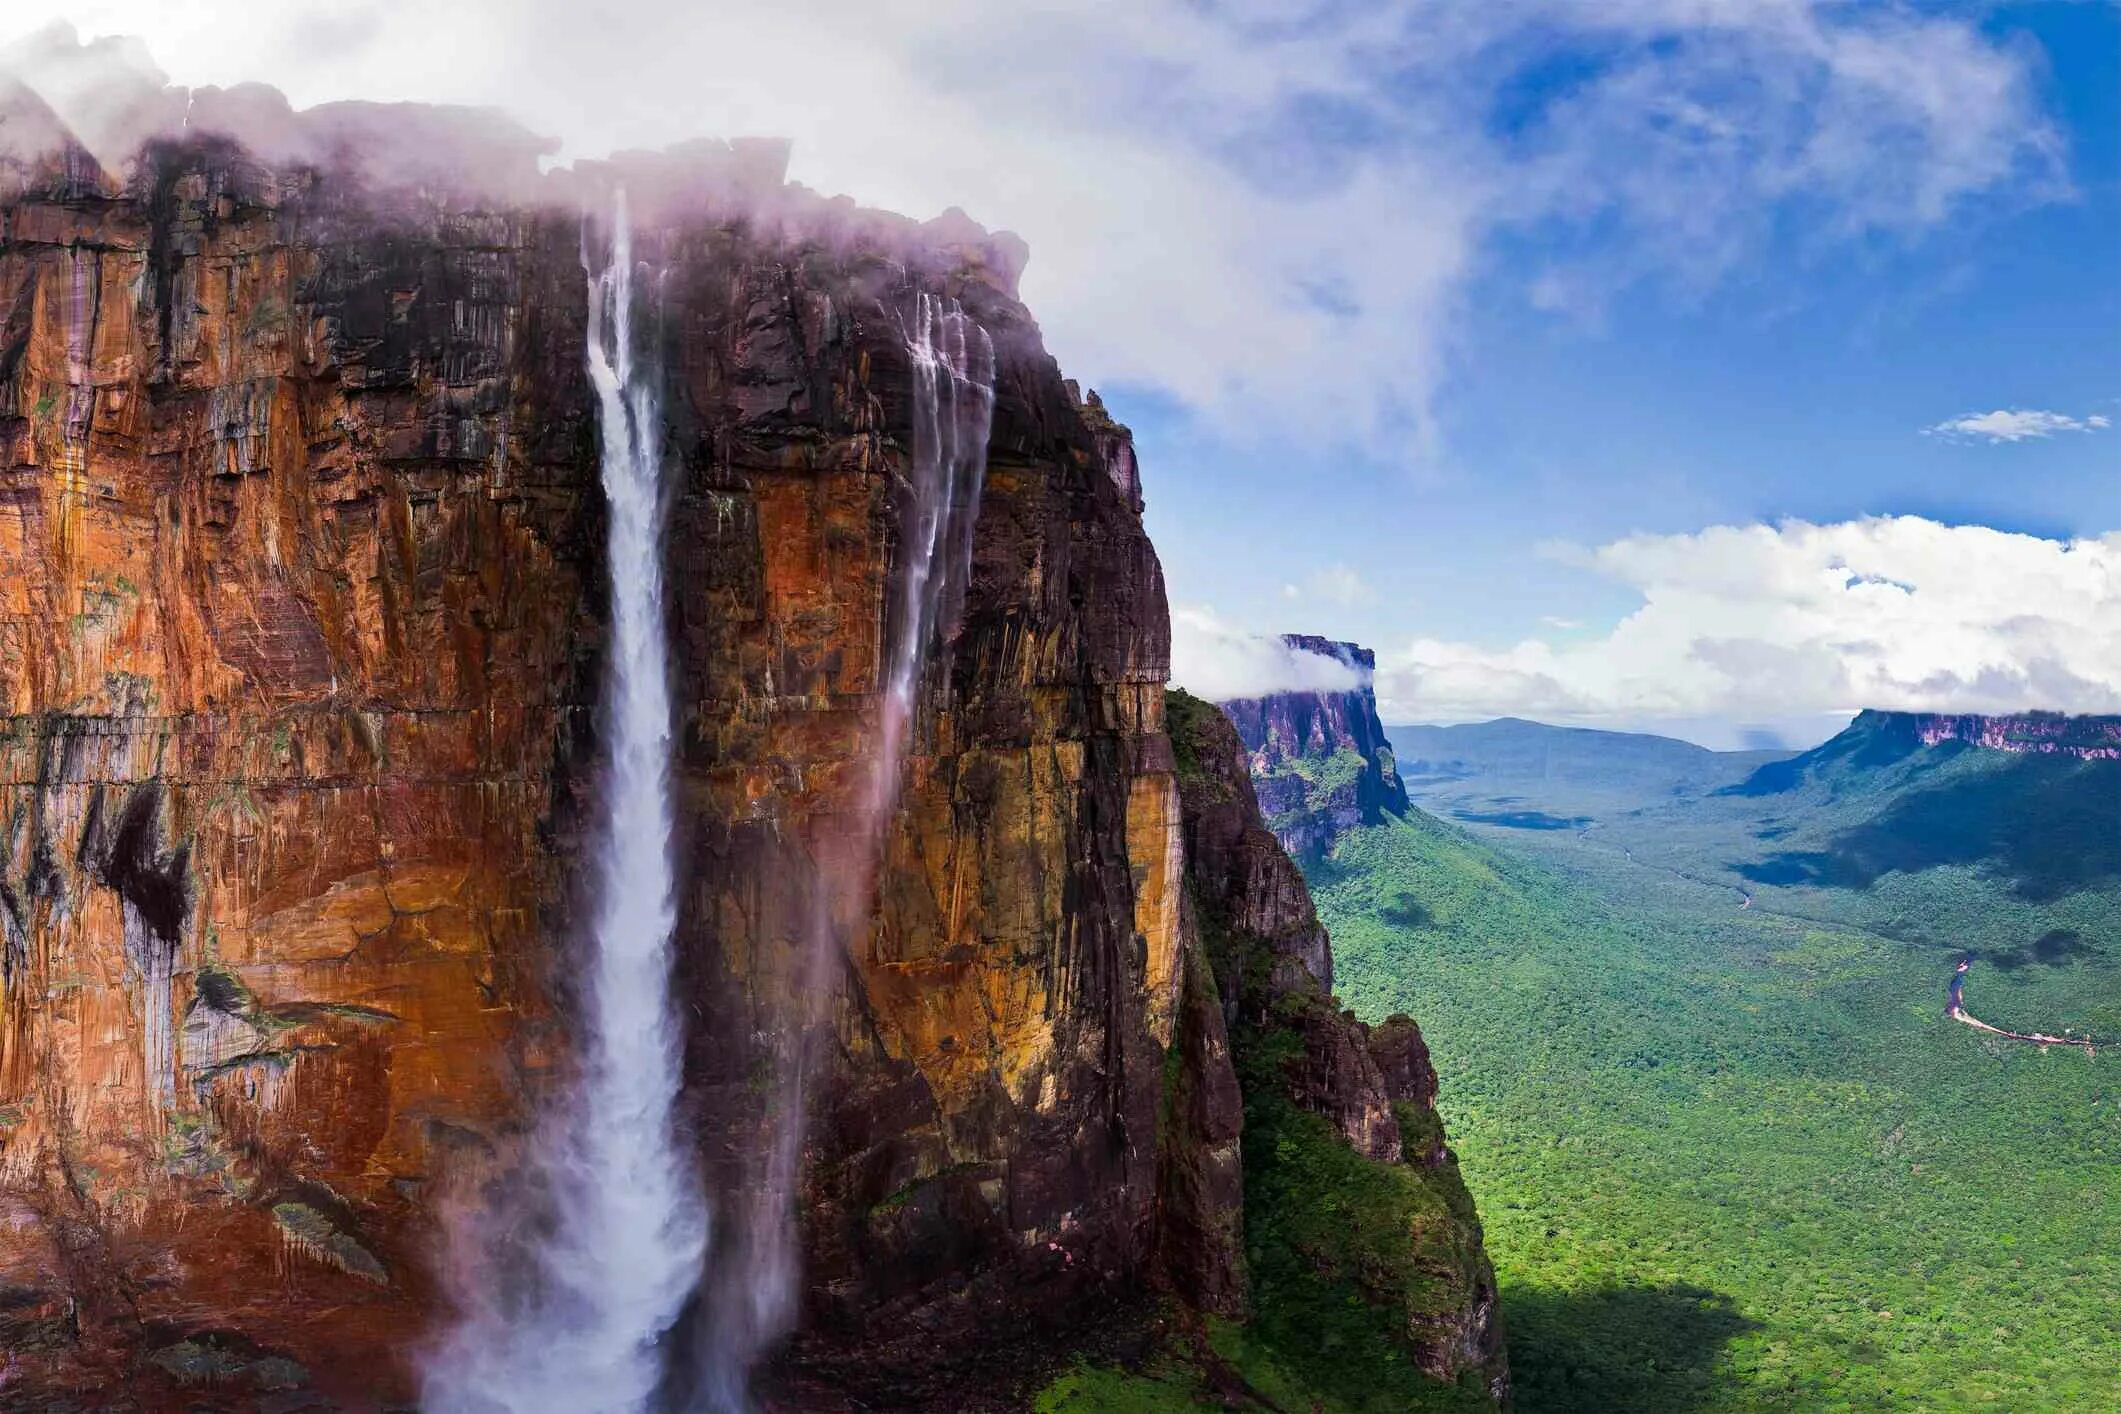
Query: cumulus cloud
{"type": "Point", "coordinates": [1269, 212]}
{"type": "Point", "coordinates": [1796, 619]}
{"type": "Point", "coordinates": [1213, 659]}
{"type": "Point", "coordinates": [2012, 425]}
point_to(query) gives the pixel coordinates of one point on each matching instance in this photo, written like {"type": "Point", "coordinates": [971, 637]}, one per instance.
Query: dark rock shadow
{"type": "Point", "coordinates": [2051, 826]}
{"type": "Point", "coordinates": [1407, 911]}
{"type": "Point", "coordinates": [1642, 1349]}
{"type": "Point", "coordinates": [2057, 947]}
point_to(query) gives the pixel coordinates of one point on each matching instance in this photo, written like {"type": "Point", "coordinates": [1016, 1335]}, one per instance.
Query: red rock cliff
{"type": "Point", "coordinates": [299, 630]}
{"type": "Point", "coordinates": [301, 609]}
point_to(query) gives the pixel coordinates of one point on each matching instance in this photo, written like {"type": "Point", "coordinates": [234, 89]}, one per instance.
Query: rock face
{"type": "Point", "coordinates": [301, 624]}
{"type": "Point", "coordinates": [1340, 1117]}
{"type": "Point", "coordinates": [1320, 761]}
{"type": "Point", "coordinates": [2041, 733]}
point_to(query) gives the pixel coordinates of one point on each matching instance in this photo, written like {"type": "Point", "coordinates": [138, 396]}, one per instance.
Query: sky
{"type": "Point", "coordinates": [1710, 366]}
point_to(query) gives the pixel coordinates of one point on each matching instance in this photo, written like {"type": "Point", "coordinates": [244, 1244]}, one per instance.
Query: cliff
{"type": "Point", "coordinates": [2041, 733]}
{"type": "Point", "coordinates": [1320, 761]}
{"type": "Point", "coordinates": [1364, 1247]}
{"type": "Point", "coordinates": [301, 624]}
{"type": "Point", "coordinates": [299, 641]}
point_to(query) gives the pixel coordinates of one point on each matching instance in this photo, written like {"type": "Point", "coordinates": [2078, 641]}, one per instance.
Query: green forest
{"type": "Point", "coordinates": [1738, 1157]}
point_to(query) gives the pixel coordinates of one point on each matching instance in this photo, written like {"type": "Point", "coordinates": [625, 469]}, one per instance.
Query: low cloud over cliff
{"type": "Point", "coordinates": [1759, 621]}
{"type": "Point", "coordinates": [1273, 213]}
{"type": "Point", "coordinates": [1217, 661]}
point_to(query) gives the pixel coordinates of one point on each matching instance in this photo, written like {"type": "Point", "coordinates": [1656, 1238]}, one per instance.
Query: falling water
{"type": "Point", "coordinates": [624, 1227]}
{"type": "Point", "coordinates": [752, 1297]}
{"type": "Point", "coordinates": [953, 412]}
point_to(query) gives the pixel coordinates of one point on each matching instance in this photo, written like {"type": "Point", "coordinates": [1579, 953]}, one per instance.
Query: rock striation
{"type": "Point", "coordinates": [302, 614]}
{"type": "Point", "coordinates": [1321, 763]}
{"type": "Point", "coordinates": [2039, 733]}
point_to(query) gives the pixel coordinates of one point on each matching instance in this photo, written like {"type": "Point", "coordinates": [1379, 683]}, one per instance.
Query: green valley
{"type": "Point", "coordinates": [1737, 1157]}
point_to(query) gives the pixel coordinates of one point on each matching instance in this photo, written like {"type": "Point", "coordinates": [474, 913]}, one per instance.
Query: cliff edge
{"type": "Point", "coordinates": [1320, 761]}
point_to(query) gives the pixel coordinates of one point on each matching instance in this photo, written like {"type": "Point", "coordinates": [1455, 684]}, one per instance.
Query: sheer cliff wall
{"type": "Point", "coordinates": [300, 619]}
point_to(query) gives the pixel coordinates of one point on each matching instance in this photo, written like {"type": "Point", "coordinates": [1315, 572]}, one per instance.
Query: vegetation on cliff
{"type": "Point", "coordinates": [1369, 1288]}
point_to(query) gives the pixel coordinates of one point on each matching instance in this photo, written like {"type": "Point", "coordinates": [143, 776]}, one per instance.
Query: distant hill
{"type": "Point", "coordinates": [1996, 834]}
{"type": "Point", "coordinates": [1479, 771]}
{"type": "Point", "coordinates": [2033, 801]}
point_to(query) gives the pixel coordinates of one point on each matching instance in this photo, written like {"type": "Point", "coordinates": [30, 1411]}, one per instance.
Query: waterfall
{"type": "Point", "coordinates": [569, 1293]}
{"type": "Point", "coordinates": [576, 1322]}
{"type": "Point", "coordinates": [751, 1299]}
{"type": "Point", "coordinates": [953, 413]}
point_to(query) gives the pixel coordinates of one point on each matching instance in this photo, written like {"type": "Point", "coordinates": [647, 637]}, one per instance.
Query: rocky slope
{"type": "Point", "coordinates": [1320, 760]}
{"type": "Point", "coordinates": [300, 630]}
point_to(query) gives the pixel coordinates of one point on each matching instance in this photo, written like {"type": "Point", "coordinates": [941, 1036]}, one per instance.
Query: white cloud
{"type": "Point", "coordinates": [1214, 660]}
{"type": "Point", "coordinates": [1268, 212]}
{"type": "Point", "coordinates": [1796, 619]}
{"type": "Point", "coordinates": [2012, 425]}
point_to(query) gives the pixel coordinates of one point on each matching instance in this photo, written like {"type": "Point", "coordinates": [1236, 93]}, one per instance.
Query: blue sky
{"type": "Point", "coordinates": [1793, 385]}
{"type": "Point", "coordinates": [1493, 335]}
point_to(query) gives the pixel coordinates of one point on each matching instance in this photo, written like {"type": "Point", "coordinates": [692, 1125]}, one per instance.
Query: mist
{"type": "Point", "coordinates": [1214, 660]}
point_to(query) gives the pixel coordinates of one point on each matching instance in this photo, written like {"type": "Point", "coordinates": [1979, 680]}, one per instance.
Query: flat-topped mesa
{"type": "Point", "coordinates": [304, 598]}
{"type": "Point", "coordinates": [1320, 762]}
{"type": "Point", "coordinates": [2088, 738]}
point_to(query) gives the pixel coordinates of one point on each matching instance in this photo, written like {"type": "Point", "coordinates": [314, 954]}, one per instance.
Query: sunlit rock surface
{"type": "Point", "coordinates": [300, 613]}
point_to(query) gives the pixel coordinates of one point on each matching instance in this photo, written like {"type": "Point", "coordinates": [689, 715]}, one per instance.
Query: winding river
{"type": "Point", "coordinates": [1958, 1012]}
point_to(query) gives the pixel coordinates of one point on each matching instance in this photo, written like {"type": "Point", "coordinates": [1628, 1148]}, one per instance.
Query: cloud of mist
{"type": "Point", "coordinates": [1214, 660]}
{"type": "Point", "coordinates": [1799, 620]}
{"type": "Point", "coordinates": [1270, 213]}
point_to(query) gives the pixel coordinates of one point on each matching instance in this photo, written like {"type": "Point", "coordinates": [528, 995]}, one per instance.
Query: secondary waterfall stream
{"type": "Point", "coordinates": [751, 1296]}
{"type": "Point", "coordinates": [579, 1327]}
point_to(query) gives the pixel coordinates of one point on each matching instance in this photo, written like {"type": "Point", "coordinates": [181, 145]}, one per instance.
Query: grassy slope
{"type": "Point", "coordinates": [1736, 1160]}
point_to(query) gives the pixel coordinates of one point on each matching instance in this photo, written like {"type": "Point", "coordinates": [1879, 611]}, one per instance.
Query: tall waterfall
{"type": "Point", "coordinates": [752, 1293]}
{"type": "Point", "coordinates": [575, 1322]}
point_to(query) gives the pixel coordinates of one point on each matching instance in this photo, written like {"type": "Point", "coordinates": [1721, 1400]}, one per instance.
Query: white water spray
{"type": "Point", "coordinates": [580, 1329]}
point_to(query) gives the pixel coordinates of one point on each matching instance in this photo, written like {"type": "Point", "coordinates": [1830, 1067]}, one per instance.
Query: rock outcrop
{"type": "Point", "coordinates": [2040, 733]}
{"type": "Point", "coordinates": [1320, 761]}
{"type": "Point", "coordinates": [1340, 1117]}
{"type": "Point", "coordinates": [301, 625]}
